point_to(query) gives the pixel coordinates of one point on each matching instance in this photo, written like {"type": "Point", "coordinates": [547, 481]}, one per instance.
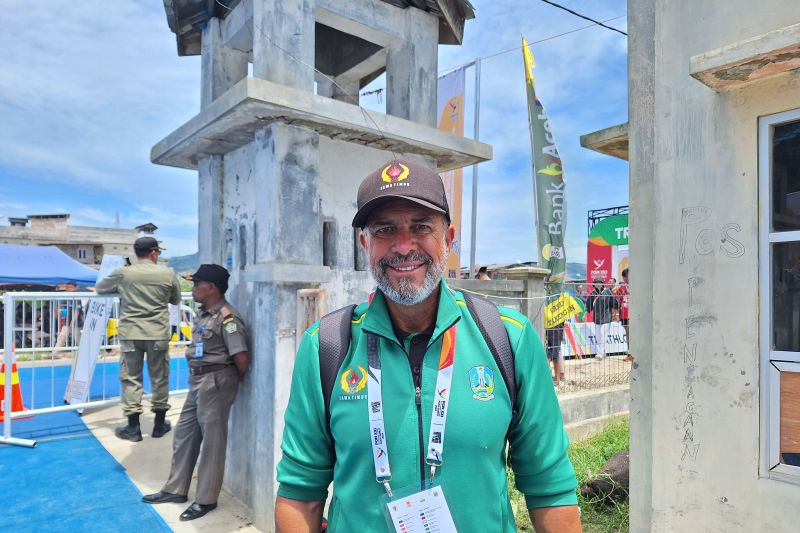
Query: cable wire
{"type": "Point", "coordinates": [568, 10]}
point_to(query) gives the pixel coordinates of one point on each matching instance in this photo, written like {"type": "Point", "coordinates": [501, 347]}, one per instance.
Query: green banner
{"type": "Point", "coordinates": [548, 182]}
{"type": "Point", "coordinates": [611, 231]}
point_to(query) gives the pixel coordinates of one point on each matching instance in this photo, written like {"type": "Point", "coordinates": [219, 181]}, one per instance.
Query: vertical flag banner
{"type": "Point", "coordinates": [450, 105]}
{"type": "Point", "coordinates": [548, 181]}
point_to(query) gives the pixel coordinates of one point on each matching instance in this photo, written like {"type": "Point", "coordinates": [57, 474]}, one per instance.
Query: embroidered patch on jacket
{"type": "Point", "coordinates": [481, 380]}
{"type": "Point", "coordinates": [353, 381]}
{"type": "Point", "coordinates": [230, 327]}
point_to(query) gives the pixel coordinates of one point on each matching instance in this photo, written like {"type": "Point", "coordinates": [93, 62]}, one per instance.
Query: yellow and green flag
{"type": "Point", "coordinates": [548, 182]}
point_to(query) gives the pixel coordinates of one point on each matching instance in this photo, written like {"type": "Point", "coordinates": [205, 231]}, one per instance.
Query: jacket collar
{"type": "Point", "coordinates": [378, 321]}
{"type": "Point", "coordinates": [213, 310]}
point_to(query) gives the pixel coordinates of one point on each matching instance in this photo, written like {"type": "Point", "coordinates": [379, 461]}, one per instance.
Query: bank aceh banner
{"type": "Point", "coordinates": [450, 104]}
{"type": "Point", "coordinates": [548, 181]}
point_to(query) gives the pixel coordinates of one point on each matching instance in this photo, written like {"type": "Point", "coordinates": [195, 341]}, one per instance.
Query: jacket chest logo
{"type": "Point", "coordinates": [481, 381]}
{"type": "Point", "coordinates": [353, 381]}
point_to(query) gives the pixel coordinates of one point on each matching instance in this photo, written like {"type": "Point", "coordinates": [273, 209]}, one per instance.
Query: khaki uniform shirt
{"type": "Point", "coordinates": [222, 334]}
{"type": "Point", "coordinates": [145, 289]}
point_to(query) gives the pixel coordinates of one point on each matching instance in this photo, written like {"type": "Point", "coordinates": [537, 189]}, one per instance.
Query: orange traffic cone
{"type": "Point", "coordinates": [16, 393]}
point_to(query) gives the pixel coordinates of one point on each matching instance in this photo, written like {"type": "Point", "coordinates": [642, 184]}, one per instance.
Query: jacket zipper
{"type": "Point", "coordinates": [417, 378]}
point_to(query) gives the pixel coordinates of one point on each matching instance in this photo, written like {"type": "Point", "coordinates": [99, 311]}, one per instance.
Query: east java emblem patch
{"type": "Point", "coordinates": [481, 380]}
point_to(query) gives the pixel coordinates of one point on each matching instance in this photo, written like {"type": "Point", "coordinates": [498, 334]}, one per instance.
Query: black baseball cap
{"type": "Point", "coordinates": [417, 183]}
{"type": "Point", "coordinates": [212, 273]}
{"type": "Point", "coordinates": [147, 243]}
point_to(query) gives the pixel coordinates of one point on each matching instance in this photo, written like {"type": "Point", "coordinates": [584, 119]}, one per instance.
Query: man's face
{"type": "Point", "coordinates": [407, 246]}
{"type": "Point", "coordinates": [201, 290]}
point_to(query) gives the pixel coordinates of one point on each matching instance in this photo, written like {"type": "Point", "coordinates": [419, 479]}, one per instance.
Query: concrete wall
{"type": "Point", "coordinates": [695, 389]}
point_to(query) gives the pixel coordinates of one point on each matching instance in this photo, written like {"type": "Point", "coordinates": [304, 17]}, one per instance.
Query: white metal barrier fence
{"type": "Point", "coordinates": [42, 331]}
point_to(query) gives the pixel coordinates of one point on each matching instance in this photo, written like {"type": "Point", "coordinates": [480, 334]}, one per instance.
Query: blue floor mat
{"type": "Point", "coordinates": [69, 485]}
{"type": "Point", "coordinates": [69, 482]}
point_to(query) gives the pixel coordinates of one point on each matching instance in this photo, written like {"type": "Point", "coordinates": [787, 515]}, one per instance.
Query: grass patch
{"type": "Point", "coordinates": [588, 456]}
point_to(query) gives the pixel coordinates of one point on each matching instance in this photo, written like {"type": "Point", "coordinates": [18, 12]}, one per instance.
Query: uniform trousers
{"type": "Point", "coordinates": [130, 374]}
{"type": "Point", "coordinates": [204, 420]}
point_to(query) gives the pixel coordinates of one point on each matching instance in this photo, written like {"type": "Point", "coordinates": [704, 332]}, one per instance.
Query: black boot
{"type": "Point", "coordinates": [131, 431]}
{"type": "Point", "coordinates": [161, 426]}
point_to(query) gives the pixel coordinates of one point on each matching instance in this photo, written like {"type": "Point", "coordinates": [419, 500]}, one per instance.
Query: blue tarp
{"type": "Point", "coordinates": [42, 265]}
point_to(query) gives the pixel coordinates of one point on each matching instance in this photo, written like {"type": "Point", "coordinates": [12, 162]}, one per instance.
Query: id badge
{"type": "Point", "coordinates": [418, 509]}
{"type": "Point", "coordinates": [198, 350]}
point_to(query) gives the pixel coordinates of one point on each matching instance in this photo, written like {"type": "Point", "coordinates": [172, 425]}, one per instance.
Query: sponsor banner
{"type": "Point", "coordinates": [450, 103]}
{"type": "Point", "coordinates": [556, 312]}
{"type": "Point", "coordinates": [548, 181]}
{"type": "Point", "coordinates": [611, 231]}
{"type": "Point", "coordinates": [599, 262]}
{"type": "Point", "coordinates": [94, 329]}
{"type": "Point", "coordinates": [583, 338]}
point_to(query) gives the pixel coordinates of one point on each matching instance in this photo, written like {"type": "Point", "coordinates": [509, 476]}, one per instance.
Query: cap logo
{"type": "Point", "coordinates": [394, 173]}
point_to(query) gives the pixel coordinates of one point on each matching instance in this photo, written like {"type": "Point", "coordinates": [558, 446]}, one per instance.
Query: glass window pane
{"type": "Point", "coordinates": [786, 297]}
{"type": "Point", "coordinates": [790, 418]}
{"type": "Point", "coordinates": [786, 177]}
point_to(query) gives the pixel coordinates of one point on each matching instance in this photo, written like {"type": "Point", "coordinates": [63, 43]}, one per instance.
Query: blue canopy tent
{"type": "Point", "coordinates": [42, 265]}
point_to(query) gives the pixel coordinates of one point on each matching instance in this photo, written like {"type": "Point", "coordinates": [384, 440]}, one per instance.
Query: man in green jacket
{"type": "Point", "coordinates": [145, 288]}
{"type": "Point", "coordinates": [418, 370]}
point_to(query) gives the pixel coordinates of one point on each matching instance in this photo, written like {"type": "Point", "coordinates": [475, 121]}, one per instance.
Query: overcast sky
{"type": "Point", "coordinates": [86, 88]}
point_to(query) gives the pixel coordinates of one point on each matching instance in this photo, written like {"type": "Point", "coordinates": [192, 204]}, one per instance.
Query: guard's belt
{"type": "Point", "coordinates": [199, 370]}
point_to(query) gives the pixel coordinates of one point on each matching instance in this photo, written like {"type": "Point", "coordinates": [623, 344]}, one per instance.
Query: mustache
{"type": "Point", "coordinates": [412, 257]}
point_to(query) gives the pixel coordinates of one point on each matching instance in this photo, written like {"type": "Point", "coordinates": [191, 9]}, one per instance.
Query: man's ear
{"type": "Point", "coordinates": [449, 235]}
{"type": "Point", "coordinates": [362, 238]}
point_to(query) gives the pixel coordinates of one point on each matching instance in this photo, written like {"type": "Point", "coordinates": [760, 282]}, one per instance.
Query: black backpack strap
{"type": "Point", "coordinates": [487, 318]}
{"type": "Point", "coordinates": [334, 341]}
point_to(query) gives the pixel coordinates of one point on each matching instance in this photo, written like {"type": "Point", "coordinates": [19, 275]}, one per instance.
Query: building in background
{"type": "Point", "coordinates": [86, 244]}
{"type": "Point", "coordinates": [713, 141]}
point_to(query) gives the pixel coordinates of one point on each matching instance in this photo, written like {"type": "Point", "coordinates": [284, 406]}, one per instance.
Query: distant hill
{"type": "Point", "coordinates": [184, 264]}
{"type": "Point", "coordinates": [576, 270]}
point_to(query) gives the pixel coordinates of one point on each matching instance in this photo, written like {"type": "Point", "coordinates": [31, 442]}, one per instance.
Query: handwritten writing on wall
{"type": "Point", "coordinates": [701, 239]}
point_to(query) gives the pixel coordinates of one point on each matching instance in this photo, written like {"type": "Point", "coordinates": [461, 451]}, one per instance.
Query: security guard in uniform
{"type": "Point", "coordinates": [145, 288]}
{"type": "Point", "coordinates": [218, 359]}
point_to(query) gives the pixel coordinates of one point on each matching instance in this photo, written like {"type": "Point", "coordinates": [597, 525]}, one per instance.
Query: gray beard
{"type": "Point", "coordinates": [406, 293]}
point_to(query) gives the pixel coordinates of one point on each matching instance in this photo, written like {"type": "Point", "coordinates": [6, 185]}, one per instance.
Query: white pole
{"type": "Point", "coordinates": [475, 170]}
{"type": "Point", "coordinates": [8, 342]}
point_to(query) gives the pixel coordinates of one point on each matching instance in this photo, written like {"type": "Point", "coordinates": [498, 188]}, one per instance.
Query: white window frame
{"type": "Point", "coordinates": [773, 362]}
{"type": "Point", "coordinates": [82, 253]}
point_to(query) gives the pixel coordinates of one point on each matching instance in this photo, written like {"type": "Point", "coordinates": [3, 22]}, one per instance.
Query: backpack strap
{"type": "Point", "coordinates": [334, 341]}
{"type": "Point", "coordinates": [487, 318]}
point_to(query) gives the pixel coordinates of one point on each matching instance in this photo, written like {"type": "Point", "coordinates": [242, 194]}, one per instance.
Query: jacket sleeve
{"type": "Point", "coordinates": [538, 442]}
{"type": "Point", "coordinates": [175, 291]}
{"type": "Point", "coordinates": [306, 469]}
{"type": "Point", "coordinates": [110, 283]}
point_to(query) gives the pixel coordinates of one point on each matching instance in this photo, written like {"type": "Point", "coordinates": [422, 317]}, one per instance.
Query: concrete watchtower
{"type": "Point", "coordinates": [279, 156]}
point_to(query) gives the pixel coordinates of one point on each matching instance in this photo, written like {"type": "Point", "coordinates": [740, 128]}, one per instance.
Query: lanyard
{"type": "Point", "coordinates": [444, 377]}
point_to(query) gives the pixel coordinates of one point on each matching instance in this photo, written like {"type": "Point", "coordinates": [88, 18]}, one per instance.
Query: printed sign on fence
{"type": "Point", "coordinates": [583, 338]}
{"type": "Point", "coordinates": [94, 329]}
{"type": "Point", "coordinates": [560, 310]}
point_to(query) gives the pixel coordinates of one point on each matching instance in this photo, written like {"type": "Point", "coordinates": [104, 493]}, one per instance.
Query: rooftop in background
{"type": "Point", "coordinates": [186, 18]}
{"type": "Point", "coordinates": [86, 244]}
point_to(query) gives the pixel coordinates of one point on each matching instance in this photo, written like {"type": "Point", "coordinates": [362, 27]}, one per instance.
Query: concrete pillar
{"type": "Point", "coordinates": [343, 90]}
{"type": "Point", "coordinates": [221, 67]}
{"type": "Point", "coordinates": [643, 243]}
{"type": "Point", "coordinates": [288, 257]}
{"type": "Point", "coordinates": [411, 70]}
{"type": "Point", "coordinates": [283, 42]}
{"type": "Point", "coordinates": [210, 200]}
{"type": "Point", "coordinates": [533, 303]}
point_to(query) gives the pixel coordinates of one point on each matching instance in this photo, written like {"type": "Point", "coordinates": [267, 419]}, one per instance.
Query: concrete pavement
{"type": "Point", "coordinates": [147, 464]}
